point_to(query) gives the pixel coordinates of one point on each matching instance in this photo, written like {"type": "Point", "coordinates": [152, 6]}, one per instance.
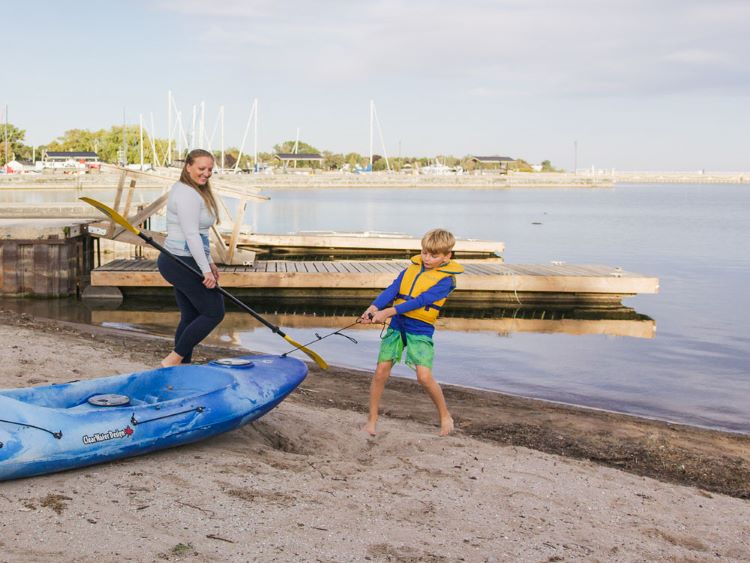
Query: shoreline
{"type": "Point", "coordinates": [520, 480]}
{"type": "Point", "coordinates": [670, 451]}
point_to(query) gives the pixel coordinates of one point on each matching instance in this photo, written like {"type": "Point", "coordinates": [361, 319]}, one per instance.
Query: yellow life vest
{"type": "Point", "coordinates": [417, 280]}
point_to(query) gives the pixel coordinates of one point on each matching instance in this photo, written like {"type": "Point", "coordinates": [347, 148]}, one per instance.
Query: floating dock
{"type": "Point", "coordinates": [483, 284]}
{"type": "Point", "coordinates": [353, 245]}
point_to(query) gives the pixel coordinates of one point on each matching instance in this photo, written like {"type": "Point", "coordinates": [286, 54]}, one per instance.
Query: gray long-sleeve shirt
{"type": "Point", "coordinates": [188, 222]}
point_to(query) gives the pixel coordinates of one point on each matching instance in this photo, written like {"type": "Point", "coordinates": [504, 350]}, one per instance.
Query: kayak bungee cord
{"type": "Point", "coordinates": [135, 422]}
{"type": "Point", "coordinates": [119, 219]}
{"type": "Point", "coordinates": [57, 435]}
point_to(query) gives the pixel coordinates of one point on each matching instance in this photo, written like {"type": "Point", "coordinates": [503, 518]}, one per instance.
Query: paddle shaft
{"type": "Point", "coordinates": [223, 291]}
{"type": "Point", "coordinates": [120, 220]}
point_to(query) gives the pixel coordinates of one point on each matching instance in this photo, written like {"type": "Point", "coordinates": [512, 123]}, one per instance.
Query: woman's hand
{"type": "Point", "coordinates": [209, 280]}
{"type": "Point", "coordinates": [214, 270]}
{"type": "Point", "coordinates": [366, 317]}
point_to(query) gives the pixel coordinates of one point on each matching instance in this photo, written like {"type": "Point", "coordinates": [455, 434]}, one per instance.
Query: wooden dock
{"type": "Point", "coordinates": [481, 285]}
{"type": "Point", "coordinates": [357, 246]}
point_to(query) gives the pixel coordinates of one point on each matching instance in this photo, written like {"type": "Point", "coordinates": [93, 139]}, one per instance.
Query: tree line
{"type": "Point", "coordinates": [108, 145]}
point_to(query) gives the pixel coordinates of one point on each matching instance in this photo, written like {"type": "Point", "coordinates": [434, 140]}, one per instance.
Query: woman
{"type": "Point", "coordinates": [191, 210]}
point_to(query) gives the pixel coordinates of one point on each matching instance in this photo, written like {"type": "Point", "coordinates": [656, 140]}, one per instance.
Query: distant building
{"type": "Point", "coordinates": [18, 167]}
{"type": "Point", "coordinates": [75, 156]}
{"type": "Point", "coordinates": [68, 161]}
{"type": "Point", "coordinates": [13, 167]}
{"type": "Point", "coordinates": [499, 163]}
{"type": "Point", "coordinates": [289, 157]}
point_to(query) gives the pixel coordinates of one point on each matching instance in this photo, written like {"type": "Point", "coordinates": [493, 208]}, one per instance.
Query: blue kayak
{"type": "Point", "coordinates": [59, 427]}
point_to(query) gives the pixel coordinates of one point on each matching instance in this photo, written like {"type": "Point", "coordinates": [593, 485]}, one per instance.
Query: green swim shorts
{"type": "Point", "coordinates": [419, 349]}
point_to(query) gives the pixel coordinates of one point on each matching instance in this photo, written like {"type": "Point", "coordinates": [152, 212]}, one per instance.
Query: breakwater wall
{"type": "Point", "coordinates": [318, 179]}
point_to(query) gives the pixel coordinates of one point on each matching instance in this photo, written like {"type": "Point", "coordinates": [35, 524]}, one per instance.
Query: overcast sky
{"type": "Point", "coordinates": [640, 85]}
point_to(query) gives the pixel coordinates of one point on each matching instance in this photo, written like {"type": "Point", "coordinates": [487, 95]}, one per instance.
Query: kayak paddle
{"type": "Point", "coordinates": [120, 220]}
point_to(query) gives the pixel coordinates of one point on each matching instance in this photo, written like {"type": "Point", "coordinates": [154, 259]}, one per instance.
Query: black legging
{"type": "Point", "coordinates": [201, 309]}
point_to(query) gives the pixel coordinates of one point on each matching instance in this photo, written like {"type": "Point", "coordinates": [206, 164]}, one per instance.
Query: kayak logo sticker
{"type": "Point", "coordinates": [109, 435]}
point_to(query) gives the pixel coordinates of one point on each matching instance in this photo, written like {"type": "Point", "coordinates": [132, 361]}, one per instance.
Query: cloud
{"type": "Point", "coordinates": [534, 47]}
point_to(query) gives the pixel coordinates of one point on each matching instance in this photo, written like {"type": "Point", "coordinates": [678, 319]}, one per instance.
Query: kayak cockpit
{"type": "Point", "coordinates": [144, 388]}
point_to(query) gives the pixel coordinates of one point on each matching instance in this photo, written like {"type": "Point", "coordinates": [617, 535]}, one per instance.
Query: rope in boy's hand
{"type": "Point", "coordinates": [383, 329]}
{"type": "Point", "coordinates": [318, 337]}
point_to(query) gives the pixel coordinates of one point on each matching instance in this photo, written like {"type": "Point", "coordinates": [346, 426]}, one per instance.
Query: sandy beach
{"type": "Point", "coordinates": [521, 480]}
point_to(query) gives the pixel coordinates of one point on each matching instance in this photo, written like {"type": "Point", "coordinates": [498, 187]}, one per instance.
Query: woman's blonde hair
{"type": "Point", "coordinates": [205, 190]}
{"type": "Point", "coordinates": [438, 241]}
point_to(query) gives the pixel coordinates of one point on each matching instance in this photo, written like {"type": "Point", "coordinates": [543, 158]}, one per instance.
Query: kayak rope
{"type": "Point", "coordinates": [135, 421]}
{"type": "Point", "coordinates": [319, 338]}
{"type": "Point", "coordinates": [57, 435]}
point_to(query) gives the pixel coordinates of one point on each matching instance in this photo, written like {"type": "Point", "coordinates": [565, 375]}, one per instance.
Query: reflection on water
{"type": "Point", "coordinates": [623, 322]}
{"type": "Point", "coordinates": [158, 317]}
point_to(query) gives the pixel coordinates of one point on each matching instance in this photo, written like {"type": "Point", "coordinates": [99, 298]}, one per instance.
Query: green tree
{"type": "Point", "coordinates": [520, 165]}
{"type": "Point", "coordinates": [355, 159]}
{"type": "Point", "coordinates": [378, 163]}
{"type": "Point", "coordinates": [288, 147]}
{"type": "Point", "coordinates": [547, 167]}
{"type": "Point", "coordinates": [448, 160]}
{"type": "Point", "coordinates": [108, 144]}
{"type": "Point", "coordinates": [11, 143]}
{"type": "Point", "coordinates": [333, 161]}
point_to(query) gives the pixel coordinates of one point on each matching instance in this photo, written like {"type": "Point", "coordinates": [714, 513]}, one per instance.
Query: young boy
{"type": "Point", "coordinates": [418, 293]}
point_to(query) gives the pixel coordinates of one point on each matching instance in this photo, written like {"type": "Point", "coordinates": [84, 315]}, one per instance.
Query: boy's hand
{"type": "Point", "coordinates": [368, 314]}
{"type": "Point", "coordinates": [382, 316]}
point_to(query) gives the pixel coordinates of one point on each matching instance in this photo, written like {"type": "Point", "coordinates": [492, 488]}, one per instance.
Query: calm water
{"type": "Point", "coordinates": [693, 238]}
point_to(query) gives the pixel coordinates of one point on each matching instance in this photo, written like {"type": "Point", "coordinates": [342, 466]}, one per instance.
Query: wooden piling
{"type": "Point", "coordinates": [44, 258]}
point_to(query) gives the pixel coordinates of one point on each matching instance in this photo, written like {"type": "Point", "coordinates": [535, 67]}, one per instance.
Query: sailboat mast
{"type": "Point", "coordinates": [169, 129]}
{"type": "Point", "coordinates": [372, 113]}
{"type": "Point", "coordinates": [255, 136]}
{"type": "Point", "coordinates": [221, 113]}
{"type": "Point", "coordinates": [140, 143]}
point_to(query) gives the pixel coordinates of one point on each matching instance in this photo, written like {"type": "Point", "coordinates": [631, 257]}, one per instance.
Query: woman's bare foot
{"type": "Point", "coordinates": [446, 426]}
{"type": "Point", "coordinates": [172, 359]}
{"type": "Point", "coordinates": [369, 427]}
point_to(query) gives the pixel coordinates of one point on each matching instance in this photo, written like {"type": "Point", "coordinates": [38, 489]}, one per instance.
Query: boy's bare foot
{"type": "Point", "coordinates": [446, 426]}
{"type": "Point", "coordinates": [369, 427]}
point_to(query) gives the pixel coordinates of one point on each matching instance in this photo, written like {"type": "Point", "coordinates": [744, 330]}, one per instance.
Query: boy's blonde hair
{"type": "Point", "coordinates": [438, 241]}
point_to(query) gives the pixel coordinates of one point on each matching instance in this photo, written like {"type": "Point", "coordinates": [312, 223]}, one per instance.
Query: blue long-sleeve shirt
{"type": "Point", "coordinates": [439, 291]}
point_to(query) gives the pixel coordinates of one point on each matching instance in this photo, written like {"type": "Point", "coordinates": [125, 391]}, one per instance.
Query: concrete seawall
{"type": "Point", "coordinates": [383, 180]}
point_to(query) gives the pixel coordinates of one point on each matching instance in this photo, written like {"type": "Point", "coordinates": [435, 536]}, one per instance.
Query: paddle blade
{"type": "Point", "coordinates": [318, 360]}
{"type": "Point", "coordinates": [112, 214]}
